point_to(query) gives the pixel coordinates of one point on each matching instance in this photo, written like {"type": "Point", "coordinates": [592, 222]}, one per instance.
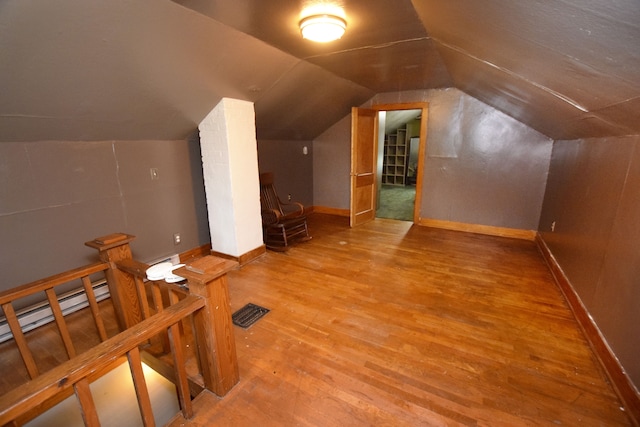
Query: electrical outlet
{"type": "Point", "coordinates": [289, 197]}
{"type": "Point", "coordinates": [154, 173]}
{"type": "Point", "coordinates": [553, 226]}
{"type": "Point", "coordinates": [176, 239]}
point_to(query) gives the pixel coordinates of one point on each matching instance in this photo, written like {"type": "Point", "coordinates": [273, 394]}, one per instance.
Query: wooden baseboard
{"type": "Point", "coordinates": [609, 362]}
{"type": "Point", "coordinates": [205, 250]}
{"type": "Point", "coordinates": [244, 258]}
{"type": "Point", "coordinates": [330, 211]}
{"type": "Point", "coordinates": [198, 252]}
{"type": "Point", "coordinates": [479, 229]}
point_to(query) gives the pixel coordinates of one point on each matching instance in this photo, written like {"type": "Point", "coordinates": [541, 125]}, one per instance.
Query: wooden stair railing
{"type": "Point", "coordinates": [48, 285]}
{"type": "Point", "coordinates": [213, 327]}
{"type": "Point", "coordinates": [211, 324]}
{"type": "Point", "coordinates": [156, 288]}
{"type": "Point", "coordinates": [75, 373]}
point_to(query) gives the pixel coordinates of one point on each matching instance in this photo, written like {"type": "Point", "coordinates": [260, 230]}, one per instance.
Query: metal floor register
{"type": "Point", "coordinates": [248, 315]}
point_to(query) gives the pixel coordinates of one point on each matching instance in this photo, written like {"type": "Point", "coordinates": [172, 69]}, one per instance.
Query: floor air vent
{"type": "Point", "coordinates": [248, 315]}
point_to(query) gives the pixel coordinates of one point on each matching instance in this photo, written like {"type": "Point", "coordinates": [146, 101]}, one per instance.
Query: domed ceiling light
{"type": "Point", "coordinates": [322, 23]}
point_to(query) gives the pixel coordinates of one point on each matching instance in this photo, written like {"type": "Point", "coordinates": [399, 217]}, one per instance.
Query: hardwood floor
{"type": "Point", "coordinates": [394, 324]}
{"type": "Point", "coordinates": [390, 324]}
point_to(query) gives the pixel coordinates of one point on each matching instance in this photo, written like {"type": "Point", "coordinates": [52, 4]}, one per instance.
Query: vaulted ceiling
{"type": "Point", "coordinates": [153, 69]}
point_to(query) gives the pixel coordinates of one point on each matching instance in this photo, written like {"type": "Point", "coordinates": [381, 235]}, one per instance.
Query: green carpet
{"type": "Point", "coordinates": [396, 202]}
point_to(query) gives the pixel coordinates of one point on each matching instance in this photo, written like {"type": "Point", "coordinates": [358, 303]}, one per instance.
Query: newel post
{"type": "Point", "coordinates": [213, 325]}
{"type": "Point", "coordinates": [122, 287]}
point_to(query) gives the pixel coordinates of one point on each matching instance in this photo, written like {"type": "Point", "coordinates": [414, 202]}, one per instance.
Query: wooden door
{"type": "Point", "coordinates": [363, 165]}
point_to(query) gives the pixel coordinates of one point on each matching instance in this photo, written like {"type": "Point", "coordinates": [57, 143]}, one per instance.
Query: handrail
{"type": "Point", "coordinates": [51, 282]}
{"type": "Point", "coordinates": [47, 286]}
{"type": "Point", "coordinates": [138, 270]}
{"type": "Point", "coordinates": [74, 373]}
{"type": "Point", "coordinates": [203, 306]}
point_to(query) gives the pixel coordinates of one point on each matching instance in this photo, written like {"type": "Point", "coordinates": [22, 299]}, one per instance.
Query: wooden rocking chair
{"type": "Point", "coordinates": [282, 223]}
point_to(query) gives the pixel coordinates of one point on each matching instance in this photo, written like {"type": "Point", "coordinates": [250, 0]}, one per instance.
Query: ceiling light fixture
{"type": "Point", "coordinates": [323, 28]}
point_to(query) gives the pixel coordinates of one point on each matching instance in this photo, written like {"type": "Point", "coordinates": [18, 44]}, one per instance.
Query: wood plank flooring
{"type": "Point", "coordinates": [391, 324]}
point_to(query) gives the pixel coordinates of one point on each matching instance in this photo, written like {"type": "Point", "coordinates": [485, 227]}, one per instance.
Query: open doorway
{"type": "Point", "coordinates": [398, 162]}
{"type": "Point", "coordinates": [367, 160]}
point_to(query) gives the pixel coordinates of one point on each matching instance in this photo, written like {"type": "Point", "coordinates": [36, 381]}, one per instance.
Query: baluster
{"type": "Point", "coordinates": [87, 405]}
{"type": "Point", "coordinates": [140, 384]}
{"type": "Point", "coordinates": [21, 342]}
{"type": "Point", "coordinates": [179, 362]}
{"type": "Point", "coordinates": [142, 297]}
{"type": "Point", "coordinates": [156, 293]}
{"type": "Point", "coordinates": [62, 324]}
{"type": "Point", "coordinates": [95, 310]}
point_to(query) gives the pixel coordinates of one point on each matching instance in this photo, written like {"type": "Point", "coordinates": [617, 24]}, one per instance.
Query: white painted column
{"type": "Point", "coordinates": [230, 167]}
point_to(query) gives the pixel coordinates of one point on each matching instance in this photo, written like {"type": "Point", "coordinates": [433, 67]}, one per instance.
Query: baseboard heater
{"type": "Point", "coordinates": [40, 314]}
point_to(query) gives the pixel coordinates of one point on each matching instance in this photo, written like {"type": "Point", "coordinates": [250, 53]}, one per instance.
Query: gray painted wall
{"type": "Point", "coordinates": [293, 170]}
{"type": "Point", "coordinates": [482, 166]}
{"type": "Point", "coordinates": [332, 166]}
{"type": "Point", "coordinates": [592, 196]}
{"type": "Point", "coordinates": [56, 195]}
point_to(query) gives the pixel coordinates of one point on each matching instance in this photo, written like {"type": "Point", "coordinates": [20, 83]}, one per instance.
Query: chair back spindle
{"type": "Point", "coordinates": [282, 223]}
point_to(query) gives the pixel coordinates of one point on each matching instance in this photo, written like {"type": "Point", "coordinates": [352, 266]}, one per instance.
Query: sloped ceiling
{"type": "Point", "coordinates": [568, 68]}
{"type": "Point", "coordinates": [153, 69]}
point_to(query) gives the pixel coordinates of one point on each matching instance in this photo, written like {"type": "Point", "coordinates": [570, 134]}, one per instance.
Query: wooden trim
{"type": "Point", "coordinates": [608, 360]}
{"type": "Point", "coordinates": [205, 250]}
{"type": "Point", "coordinates": [51, 282]}
{"type": "Point", "coordinates": [331, 211]}
{"type": "Point", "coordinates": [198, 252]}
{"type": "Point", "coordinates": [23, 398]}
{"type": "Point", "coordinates": [179, 359]}
{"type": "Point", "coordinates": [62, 324]}
{"type": "Point", "coordinates": [422, 155]}
{"type": "Point", "coordinates": [50, 403]}
{"type": "Point", "coordinates": [122, 287]}
{"type": "Point", "coordinates": [95, 309]}
{"type": "Point", "coordinates": [401, 106]}
{"type": "Point", "coordinates": [479, 229]}
{"type": "Point", "coordinates": [213, 327]}
{"type": "Point", "coordinates": [87, 404]}
{"type": "Point", "coordinates": [140, 386]}
{"type": "Point", "coordinates": [20, 340]}
{"type": "Point", "coordinates": [251, 255]}
{"type": "Point", "coordinates": [110, 241]}
{"type": "Point", "coordinates": [424, 122]}
{"type": "Point", "coordinates": [244, 258]}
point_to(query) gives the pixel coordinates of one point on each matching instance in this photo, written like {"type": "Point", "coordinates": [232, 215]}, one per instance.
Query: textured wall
{"type": "Point", "coordinates": [292, 168]}
{"type": "Point", "coordinates": [482, 166]}
{"type": "Point", "coordinates": [56, 195]}
{"type": "Point", "coordinates": [592, 196]}
{"type": "Point", "coordinates": [332, 166]}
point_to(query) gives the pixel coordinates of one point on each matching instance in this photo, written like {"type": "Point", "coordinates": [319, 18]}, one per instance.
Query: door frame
{"type": "Point", "coordinates": [364, 147]}
{"type": "Point", "coordinates": [424, 106]}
